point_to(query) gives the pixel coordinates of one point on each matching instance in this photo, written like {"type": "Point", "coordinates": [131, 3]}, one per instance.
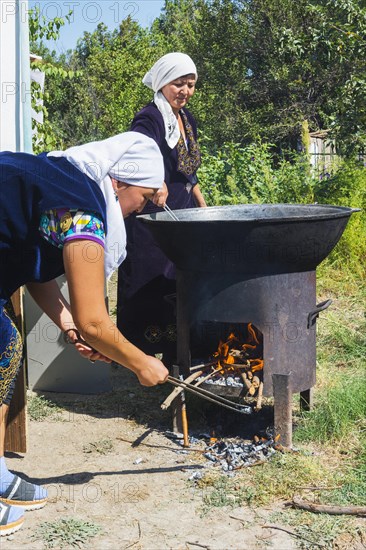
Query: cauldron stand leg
{"type": "Point", "coordinates": [282, 394]}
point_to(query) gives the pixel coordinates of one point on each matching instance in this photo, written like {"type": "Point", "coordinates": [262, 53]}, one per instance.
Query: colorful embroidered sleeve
{"type": "Point", "coordinates": [63, 225]}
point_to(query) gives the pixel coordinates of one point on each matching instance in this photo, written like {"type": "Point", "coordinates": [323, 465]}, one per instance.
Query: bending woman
{"type": "Point", "coordinates": [147, 278]}
{"type": "Point", "coordinates": [63, 213]}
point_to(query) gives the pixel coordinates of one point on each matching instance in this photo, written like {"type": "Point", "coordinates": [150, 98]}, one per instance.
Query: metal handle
{"type": "Point", "coordinates": [313, 315]}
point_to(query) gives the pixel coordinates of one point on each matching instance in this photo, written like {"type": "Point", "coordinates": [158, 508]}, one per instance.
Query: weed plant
{"type": "Point", "coordinates": [66, 533]}
{"type": "Point", "coordinates": [39, 408]}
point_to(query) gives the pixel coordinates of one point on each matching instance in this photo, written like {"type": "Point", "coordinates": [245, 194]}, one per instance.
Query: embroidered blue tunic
{"type": "Point", "coordinates": [29, 186]}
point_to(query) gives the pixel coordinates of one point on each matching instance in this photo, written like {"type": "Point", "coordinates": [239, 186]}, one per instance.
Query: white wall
{"type": "Point", "coordinates": [10, 129]}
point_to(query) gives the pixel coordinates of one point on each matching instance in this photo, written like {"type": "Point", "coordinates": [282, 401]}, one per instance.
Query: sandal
{"type": "Point", "coordinates": [7, 527]}
{"type": "Point", "coordinates": [21, 493]}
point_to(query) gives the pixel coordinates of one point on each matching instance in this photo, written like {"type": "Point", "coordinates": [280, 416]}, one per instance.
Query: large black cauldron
{"type": "Point", "coordinates": [250, 238]}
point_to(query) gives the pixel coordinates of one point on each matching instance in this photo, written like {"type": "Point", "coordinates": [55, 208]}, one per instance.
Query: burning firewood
{"type": "Point", "coordinates": [245, 380]}
{"type": "Point", "coordinates": [239, 354]}
{"type": "Point", "coordinates": [259, 398]}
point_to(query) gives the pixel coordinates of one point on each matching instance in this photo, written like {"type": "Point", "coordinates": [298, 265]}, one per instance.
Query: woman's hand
{"type": "Point", "coordinates": [198, 198]}
{"type": "Point", "coordinates": [161, 196]}
{"type": "Point", "coordinates": [153, 372]}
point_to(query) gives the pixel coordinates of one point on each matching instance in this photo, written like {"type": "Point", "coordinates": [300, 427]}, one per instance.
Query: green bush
{"type": "Point", "coordinates": [348, 188]}
{"type": "Point", "coordinates": [254, 174]}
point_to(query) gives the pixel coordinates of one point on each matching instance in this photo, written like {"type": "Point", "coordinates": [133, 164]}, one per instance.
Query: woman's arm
{"type": "Point", "coordinates": [198, 197]}
{"type": "Point", "coordinates": [84, 267]}
{"type": "Point", "coordinates": [149, 122]}
{"type": "Point", "coordinates": [51, 300]}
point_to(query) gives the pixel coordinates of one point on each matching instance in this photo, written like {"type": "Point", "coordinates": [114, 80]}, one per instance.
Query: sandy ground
{"type": "Point", "coordinates": [106, 459]}
{"type": "Point", "coordinates": [138, 493]}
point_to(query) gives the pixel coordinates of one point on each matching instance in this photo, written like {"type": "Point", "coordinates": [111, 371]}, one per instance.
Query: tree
{"type": "Point", "coordinates": [103, 99]}
{"type": "Point", "coordinates": [39, 28]}
{"type": "Point", "coordinates": [334, 46]}
{"type": "Point", "coordinates": [268, 65]}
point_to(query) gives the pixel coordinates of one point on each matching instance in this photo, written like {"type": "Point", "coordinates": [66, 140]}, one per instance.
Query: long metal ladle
{"type": "Point", "coordinates": [171, 213]}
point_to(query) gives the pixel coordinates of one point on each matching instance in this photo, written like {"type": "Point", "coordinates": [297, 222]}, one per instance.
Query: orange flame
{"type": "Point", "coordinates": [232, 344]}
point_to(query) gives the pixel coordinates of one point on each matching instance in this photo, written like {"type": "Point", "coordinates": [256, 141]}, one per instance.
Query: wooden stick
{"type": "Point", "coordinates": [245, 380]}
{"type": "Point", "coordinates": [184, 419]}
{"type": "Point", "coordinates": [243, 366]}
{"type": "Point", "coordinates": [210, 375]}
{"type": "Point", "coordinates": [185, 425]}
{"type": "Point", "coordinates": [259, 398]}
{"type": "Point", "coordinates": [169, 400]}
{"type": "Point", "coordinates": [290, 533]}
{"type": "Point", "coordinates": [328, 509]}
{"type": "Point", "coordinates": [202, 366]}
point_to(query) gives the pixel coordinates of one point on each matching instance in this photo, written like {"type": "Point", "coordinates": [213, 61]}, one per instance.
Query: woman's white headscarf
{"type": "Point", "coordinates": [131, 158]}
{"type": "Point", "coordinates": [168, 68]}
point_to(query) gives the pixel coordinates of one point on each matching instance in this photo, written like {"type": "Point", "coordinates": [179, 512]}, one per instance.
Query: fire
{"type": "Point", "coordinates": [238, 362]}
{"type": "Point", "coordinates": [234, 355]}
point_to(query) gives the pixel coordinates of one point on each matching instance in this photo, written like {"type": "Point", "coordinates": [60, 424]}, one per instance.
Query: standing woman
{"type": "Point", "coordinates": [148, 277]}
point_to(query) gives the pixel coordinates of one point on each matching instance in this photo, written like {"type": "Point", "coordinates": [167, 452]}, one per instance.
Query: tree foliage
{"type": "Point", "coordinates": [103, 99]}
{"type": "Point", "coordinates": [265, 67]}
{"type": "Point", "coordinates": [40, 27]}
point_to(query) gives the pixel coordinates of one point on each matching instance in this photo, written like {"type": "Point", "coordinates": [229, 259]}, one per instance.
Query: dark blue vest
{"type": "Point", "coordinates": [29, 186]}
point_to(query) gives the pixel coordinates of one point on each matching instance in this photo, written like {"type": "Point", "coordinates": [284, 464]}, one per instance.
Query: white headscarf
{"type": "Point", "coordinates": [130, 157]}
{"type": "Point", "coordinates": [168, 68]}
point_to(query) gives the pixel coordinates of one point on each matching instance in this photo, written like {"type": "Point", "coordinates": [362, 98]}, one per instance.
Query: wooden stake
{"type": "Point", "coordinates": [184, 419]}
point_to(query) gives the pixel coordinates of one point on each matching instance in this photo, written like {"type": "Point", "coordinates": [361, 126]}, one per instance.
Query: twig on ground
{"type": "Point", "coordinates": [132, 544]}
{"type": "Point", "coordinates": [293, 534]}
{"type": "Point", "coordinates": [136, 541]}
{"type": "Point", "coordinates": [327, 509]}
{"type": "Point", "coordinates": [198, 544]}
{"type": "Point", "coordinates": [316, 488]}
{"type": "Point", "coordinates": [174, 449]}
{"type": "Point", "coordinates": [239, 519]}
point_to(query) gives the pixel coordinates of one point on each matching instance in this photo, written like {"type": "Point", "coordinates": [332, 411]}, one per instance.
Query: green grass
{"type": "Point", "coordinates": [340, 410]}
{"type": "Point", "coordinates": [330, 465]}
{"type": "Point", "coordinates": [66, 533]}
{"type": "Point", "coordinates": [320, 530]}
{"type": "Point", "coordinates": [39, 409]}
{"type": "Point", "coordinates": [102, 446]}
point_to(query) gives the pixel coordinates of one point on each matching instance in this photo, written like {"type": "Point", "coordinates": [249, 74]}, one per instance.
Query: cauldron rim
{"type": "Point", "coordinates": [307, 213]}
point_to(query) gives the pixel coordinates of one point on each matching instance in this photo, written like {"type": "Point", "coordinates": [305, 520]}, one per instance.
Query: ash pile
{"type": "Point", "coordinates": [234, 454]}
